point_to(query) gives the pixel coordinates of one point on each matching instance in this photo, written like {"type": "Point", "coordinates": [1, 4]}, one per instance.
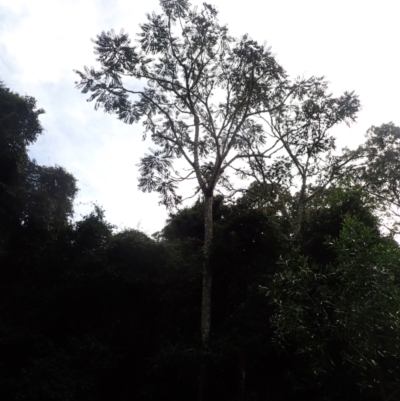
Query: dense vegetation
{"type": "Point", "coordinates": [88, 313]}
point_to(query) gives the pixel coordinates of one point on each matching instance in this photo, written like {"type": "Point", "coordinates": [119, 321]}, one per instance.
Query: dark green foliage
{"type": "Point", "coordinates": [324, 218]}
{"type": "Point", "coordinates": [19, 127]}
{"type": "Point", "coordinates": [343, 316]}
{"type": "Point", "coordinates": [87, 313]}
{"type": "Point", "coordinates": [245, 242]}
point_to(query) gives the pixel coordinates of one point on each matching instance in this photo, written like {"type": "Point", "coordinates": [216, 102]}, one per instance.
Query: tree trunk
{"type": "Point", "coordinates": [206, 301]}
{"type": "Point", "coordinates": [300, 210]}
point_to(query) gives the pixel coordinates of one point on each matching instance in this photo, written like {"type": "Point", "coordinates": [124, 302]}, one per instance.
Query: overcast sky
{"type": "Point", "coordinates": [353, 43]}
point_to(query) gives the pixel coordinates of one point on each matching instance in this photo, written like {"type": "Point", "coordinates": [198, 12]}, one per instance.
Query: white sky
{"type": "Point", "coordinates": [353, 43]}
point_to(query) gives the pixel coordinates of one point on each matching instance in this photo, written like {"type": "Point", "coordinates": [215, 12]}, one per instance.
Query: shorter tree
{"type": "Point", "coordinates": [19, 127]}
{"type": "Point", "coordinates": [376, 169]}
{"type": "Point", "coordinates": [303, 149]}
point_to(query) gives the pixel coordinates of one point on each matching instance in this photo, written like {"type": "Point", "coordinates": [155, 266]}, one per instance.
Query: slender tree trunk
{"type": "Point", "coordinates": [204, 376]}
{"type": "Point", "coordinates": [207, 273]}
{"type": "Point", "coordinates": [300, 210]}
{"type": "Point", "coordinates": [299, 218]}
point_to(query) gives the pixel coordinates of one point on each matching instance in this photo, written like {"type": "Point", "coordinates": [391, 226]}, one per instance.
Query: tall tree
{"type": "Point", "coordinates": [206, 99]}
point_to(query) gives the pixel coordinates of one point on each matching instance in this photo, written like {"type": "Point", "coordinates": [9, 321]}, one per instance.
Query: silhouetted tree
{"type": "Point", "coordinates": [206, 99]}
{"type": "Point", "coordinates": [376, 170]}
{"type": "Point", "coordinates": [19, 127]}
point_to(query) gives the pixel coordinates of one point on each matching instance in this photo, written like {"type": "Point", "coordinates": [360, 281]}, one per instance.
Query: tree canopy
{"type": "Point", "coordinates": [375, 168]}
{"type": "Point", "coordinates": [210, 99]}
